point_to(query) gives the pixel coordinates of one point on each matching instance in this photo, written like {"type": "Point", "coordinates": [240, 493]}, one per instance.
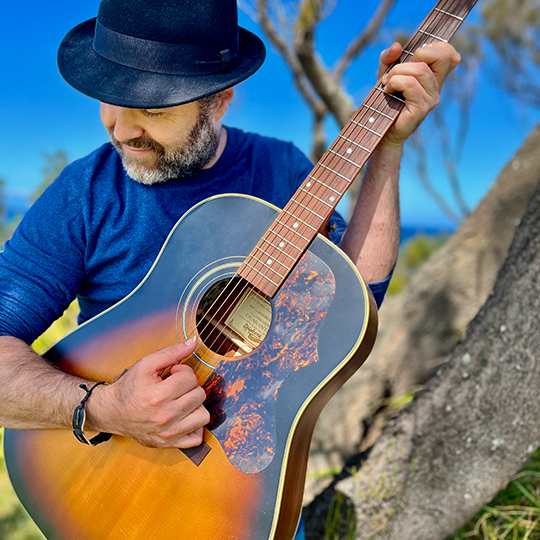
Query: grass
{"type": "Point", "coordinates": [414, 252]}
{"type": "Point", "coordinates": [514, 514]}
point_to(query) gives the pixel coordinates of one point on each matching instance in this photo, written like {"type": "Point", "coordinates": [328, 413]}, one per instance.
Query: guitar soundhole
{"type": "Point", "coordinates": [233, 317]}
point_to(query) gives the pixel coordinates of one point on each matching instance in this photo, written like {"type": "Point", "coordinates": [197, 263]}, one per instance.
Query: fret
{"type": "Point", "coordinates": [343, 157]}
{"type": "Point", "coordinates": [292, 230]}
{"type": "Point", "coordinates": [379, 112]}
{"type": "Point", "coordinates": [325, 185]}
{"type": "Point", "coordinates": [365, 127]}
{"type": "Point", "coordinates": [389, 95]}
{"type": "Point", "coordinates": [356, 144]}
{"type": "Point", "coordinates": [273, 255]}
{"type": "Point", "coordinates": [308, 209]}
{"type": "Point", "coordinates": [271, 231]}
{"type": "Point", "coordinates": [449, 14]}
{"type": "Point", "coordinates": [269, 262]}
{"type": "Point", "coordinates": [335, 172]}
{"type": "Point", "coordinates": [285, 211]}
{"type": "Point", "coordinates": [315, 197]}
{"type": "Point", "coordinates": [433, 36]}
{"type": "Point", "coordinates": [276, 248]}
{"type": "Point", "coordinates": [261, 275]}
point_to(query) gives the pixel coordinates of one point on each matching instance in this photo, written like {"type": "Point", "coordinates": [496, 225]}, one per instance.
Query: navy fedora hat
{"type": "Point", "coordinates": [150, 54]}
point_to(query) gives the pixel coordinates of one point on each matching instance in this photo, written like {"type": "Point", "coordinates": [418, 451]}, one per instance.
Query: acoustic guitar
{"type": "Point", "coordinates": [282, 320]}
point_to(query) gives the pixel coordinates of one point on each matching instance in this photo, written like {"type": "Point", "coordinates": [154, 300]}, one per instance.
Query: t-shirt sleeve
{"type": "Point", "coordinates": [42, 266]}
{"type": "Point", "coordinates": [337, 224]}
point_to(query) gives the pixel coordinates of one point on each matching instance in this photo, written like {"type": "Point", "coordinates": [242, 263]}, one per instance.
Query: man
{"type": "Point", "coordinates": [165, 78]}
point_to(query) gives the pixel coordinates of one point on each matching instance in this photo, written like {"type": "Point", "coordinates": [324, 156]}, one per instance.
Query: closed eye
{"type": "Point", "coordinates": [151, 114]}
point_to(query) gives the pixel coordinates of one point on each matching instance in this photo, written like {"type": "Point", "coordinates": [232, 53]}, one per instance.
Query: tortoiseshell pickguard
{"type": "Point", "coordinates": [242, 393]}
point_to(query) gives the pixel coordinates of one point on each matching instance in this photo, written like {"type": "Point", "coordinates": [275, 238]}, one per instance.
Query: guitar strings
{"type": "Point", "coordinates": [419, 39]}
{"type": "Point", "coordinates": [433, 17]}
{"type": "Point", "coordinates": [432, 26]}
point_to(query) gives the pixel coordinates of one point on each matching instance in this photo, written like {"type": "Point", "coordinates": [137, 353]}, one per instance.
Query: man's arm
{"type": "Point", "coordinates": [140, 405]}
{"type": "Point", "coordinates": [372, 237]}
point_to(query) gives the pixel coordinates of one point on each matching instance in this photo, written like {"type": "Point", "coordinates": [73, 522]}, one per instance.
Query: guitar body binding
{"type": "Point", "coordinates": [264, 403]}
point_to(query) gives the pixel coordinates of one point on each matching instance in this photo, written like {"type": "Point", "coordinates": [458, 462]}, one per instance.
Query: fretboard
{"type": "Point", "coordinates": [278, 251]}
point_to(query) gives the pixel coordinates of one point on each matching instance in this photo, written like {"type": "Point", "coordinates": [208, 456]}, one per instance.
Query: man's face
{"type": "Point", "coordinates": [158, 144]}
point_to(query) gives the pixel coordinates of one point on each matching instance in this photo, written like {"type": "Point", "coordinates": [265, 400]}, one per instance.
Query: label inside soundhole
{"type": "Point", "coordinates": [233, 318]}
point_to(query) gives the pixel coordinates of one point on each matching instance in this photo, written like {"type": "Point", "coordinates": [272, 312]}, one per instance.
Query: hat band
{"type": "Point", "coordinates": [161, 57]}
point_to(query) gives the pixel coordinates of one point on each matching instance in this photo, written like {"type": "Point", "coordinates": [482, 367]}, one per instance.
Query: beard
{"type": "Point", "coordinates": [179, 160]}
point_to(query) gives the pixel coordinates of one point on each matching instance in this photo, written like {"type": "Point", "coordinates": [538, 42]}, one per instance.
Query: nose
{"type": "Point", "coordinates": [123, 122]}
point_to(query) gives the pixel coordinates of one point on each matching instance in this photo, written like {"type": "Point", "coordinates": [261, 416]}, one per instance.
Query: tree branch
{"type": "Point", "coordinates": [325, 85]}
{"type": "Point", "coordinates": [289, 56]}
{"type": "Point", "coordinates": [319, 139]}
{"type": "Point", "coordinates": [451, 158]}
{"type": "Point", "coordinates": [423, 175]}
{"type": "Point", "coordinates": [364, 38]}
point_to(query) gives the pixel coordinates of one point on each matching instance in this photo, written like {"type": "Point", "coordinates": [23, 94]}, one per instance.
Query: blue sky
{"type": "Point", "coordinates": [41, 113]}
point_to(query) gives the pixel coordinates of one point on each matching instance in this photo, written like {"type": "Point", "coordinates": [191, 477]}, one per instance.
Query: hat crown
{"type": "Point", "coordinates": [159, 53]}
{"type": "Point", "coordinates": [213, 23]}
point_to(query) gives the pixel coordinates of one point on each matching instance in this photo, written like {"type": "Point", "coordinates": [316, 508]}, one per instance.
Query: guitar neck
{"type": "Point", "coordinates": [278, 251]}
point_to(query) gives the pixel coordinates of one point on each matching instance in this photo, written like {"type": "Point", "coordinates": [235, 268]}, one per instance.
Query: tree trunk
{"type": "Point", "coordinates": [471, 428]}
{"type": "Point", "coordinates": [420, 326]}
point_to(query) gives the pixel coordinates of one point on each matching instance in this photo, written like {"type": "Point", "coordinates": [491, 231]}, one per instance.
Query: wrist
{"type": "Point", "coordinates": [98, 409]}
{"type": "Point", "coordinates": [391, 144]}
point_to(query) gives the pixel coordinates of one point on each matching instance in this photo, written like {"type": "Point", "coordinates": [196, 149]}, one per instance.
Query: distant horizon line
{"type": "Point", "coordinates": [17, 204]}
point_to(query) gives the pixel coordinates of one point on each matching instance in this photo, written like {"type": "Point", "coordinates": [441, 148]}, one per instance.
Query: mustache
{"type": "Point", "coordinates": [140, 143]}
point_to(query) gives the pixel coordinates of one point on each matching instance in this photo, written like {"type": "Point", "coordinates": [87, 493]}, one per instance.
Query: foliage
{"type": "Point", "coordinates": [63, 326]}
{"type": "Point", "coordinates": [55, 163]}
{"type": "Point", "coordinates": [513, 28]}
{"type": "Point", "coordinates": [514, 514]}
{"type": "Point", "coordinates": [413, 254]}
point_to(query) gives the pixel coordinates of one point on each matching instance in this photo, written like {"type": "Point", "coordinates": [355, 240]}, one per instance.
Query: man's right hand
{"type": "Point", "coordinates": [155, 412]}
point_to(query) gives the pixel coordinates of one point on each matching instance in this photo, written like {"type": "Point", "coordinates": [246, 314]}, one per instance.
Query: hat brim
{"type": "Point", "coordinates": [112, 83]}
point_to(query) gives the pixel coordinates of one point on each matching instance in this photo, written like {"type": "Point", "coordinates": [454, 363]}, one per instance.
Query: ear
{"type": "Point", "coordinates": [222, 104]}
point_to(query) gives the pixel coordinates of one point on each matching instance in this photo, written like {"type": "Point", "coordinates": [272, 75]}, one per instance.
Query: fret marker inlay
{"type": "Point", "coordinates": [313, 203]}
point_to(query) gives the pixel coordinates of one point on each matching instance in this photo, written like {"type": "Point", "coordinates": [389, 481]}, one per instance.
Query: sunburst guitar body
{"type": "Point", "coordinates": [268, 364]}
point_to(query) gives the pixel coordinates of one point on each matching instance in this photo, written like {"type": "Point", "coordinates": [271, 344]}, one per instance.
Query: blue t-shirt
{"type": "Point", "coordinates": [95, 232]}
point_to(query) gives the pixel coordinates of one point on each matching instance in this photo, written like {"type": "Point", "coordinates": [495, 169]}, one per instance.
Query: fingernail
{"type": "Point", "coordinates": [191, 341]}
{"type": "Point", "coordinates": [384, 80]}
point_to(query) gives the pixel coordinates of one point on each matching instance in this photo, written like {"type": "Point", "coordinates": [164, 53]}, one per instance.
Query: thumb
{"type": "Point", "coordinates": [155, 363]}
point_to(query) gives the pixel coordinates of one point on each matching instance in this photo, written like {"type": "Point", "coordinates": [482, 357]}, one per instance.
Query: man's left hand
{"type": "Point", "coordinates": [420, 81]}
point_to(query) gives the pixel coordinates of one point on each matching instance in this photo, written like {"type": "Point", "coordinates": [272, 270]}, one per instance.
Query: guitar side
{"type": "Point", "coordinates": [122, 490]}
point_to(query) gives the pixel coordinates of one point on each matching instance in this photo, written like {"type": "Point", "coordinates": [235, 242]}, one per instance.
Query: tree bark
{"type": "Point", "coordinates": [419, 327]}
{"type": "Point", "coordinates": [472, 427]}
